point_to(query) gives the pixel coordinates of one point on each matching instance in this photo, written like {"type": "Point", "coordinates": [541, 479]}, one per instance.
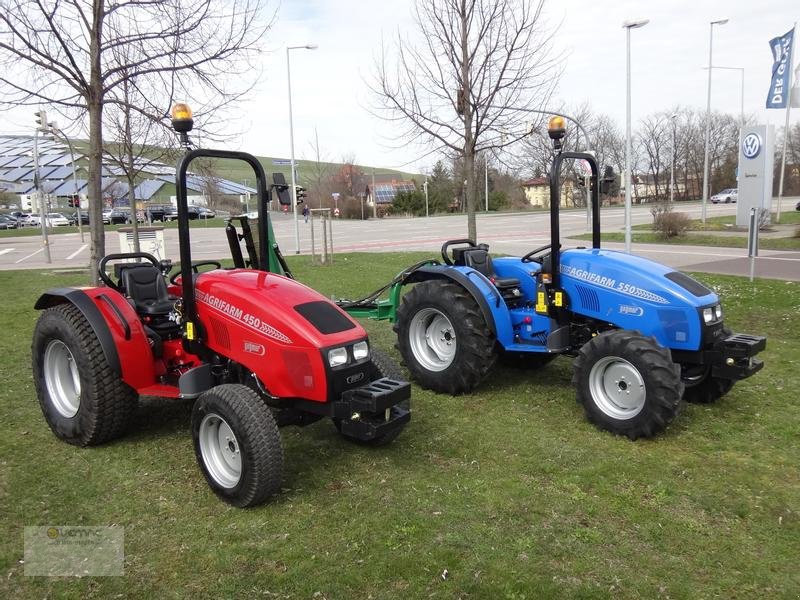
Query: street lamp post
{"type": "Point", "coordinates": [741, 88]}
{"type": "Point", "coordinates": [291, 143]}
{"type": "Point", "coordinates": [57, 132]}
{"type": "Point", "coordinates": [628, 25]}
{"type": "Point", "coordinates": [708, 116]}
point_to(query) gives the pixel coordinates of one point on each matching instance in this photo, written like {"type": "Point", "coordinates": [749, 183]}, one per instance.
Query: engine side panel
{"type": "Point", "coordinates": [275, 327]}
{"type": "Point", "coordinates": [631, 292]}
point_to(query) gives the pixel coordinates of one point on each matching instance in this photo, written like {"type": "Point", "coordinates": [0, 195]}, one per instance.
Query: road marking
{"type": "Point", "coordinates": [29, 255]}
{"type": "Point", "coordinates": [6, 251]}
{"type": "Point", "coordinates": [78, 251]}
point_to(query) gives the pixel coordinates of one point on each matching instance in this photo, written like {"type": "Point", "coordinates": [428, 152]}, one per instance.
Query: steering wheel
{"type": "Point", "coordinates": [531, 256]}
{"type": "Point", "coordinates": [195, 269]}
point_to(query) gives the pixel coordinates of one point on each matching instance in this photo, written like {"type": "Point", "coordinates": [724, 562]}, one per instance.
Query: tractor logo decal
{"type": "Point", "coordinates": [751, 145]}
{"type": "Point", "coordinates": [237, 314]}
{"type": "Point", "coordinates": [612, 284]}
{"type": "Point", "coordinates": [253, 348]}
{"type": "Point", "coordinates": [633, 311]}
{"type": "Point", "coordinates": [355, 378]}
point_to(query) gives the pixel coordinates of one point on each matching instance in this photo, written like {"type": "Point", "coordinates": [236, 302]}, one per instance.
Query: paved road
{"type": "Point", "coordinates": [505, 233]}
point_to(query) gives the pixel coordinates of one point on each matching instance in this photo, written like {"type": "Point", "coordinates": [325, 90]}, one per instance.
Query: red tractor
{"type": "Point", "coordinates": [254, 350]}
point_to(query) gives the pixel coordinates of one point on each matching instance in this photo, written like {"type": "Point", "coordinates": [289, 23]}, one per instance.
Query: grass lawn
{"type": "Point", "coordinates": [728, 222]}
{"type": "Point", "coordinates": [509, 489]}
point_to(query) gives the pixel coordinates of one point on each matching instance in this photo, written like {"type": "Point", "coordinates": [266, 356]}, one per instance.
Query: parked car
{"type": "Point", "coordinates": [107, 215]}
{"type": "Point", "coordinates": [156, 212]}
{"type": "Point", "coordinates": [7, 222]}
{"type": "Point", "coordinates": [56, 220]}
{"type": "Point", "coordinates": [22, 218]}
{"type": "Point", "coordinates": [33, 220]}
{"type": "Point", "coordinates": [726, 196]}
{"type": "Point", "coordinates": [797, 206]}
{"type": "Point", "coordinates": [118, 216]}
{"type": "Point", "coordinates": [73, 218]}
{"type": "Point", "coordinates": [170, 214]}
{"type": "Point", "coordinates": [203, 212]}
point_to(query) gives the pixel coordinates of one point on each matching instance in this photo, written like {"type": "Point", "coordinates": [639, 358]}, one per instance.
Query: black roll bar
{"type": "Point", "coordinates": [555, 197]}
{"type": "Point", "coordinates": [187, 281]}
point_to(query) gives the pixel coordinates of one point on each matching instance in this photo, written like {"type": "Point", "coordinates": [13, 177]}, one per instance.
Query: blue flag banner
{"type": "Point", "coordinates": [781, 69]}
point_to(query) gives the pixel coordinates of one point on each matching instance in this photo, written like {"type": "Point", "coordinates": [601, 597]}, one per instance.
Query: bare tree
{"type": "Point", "coordinates": [67, 53]}
{"type": "Point", "coordinates": [465, 89]}
{"type": "Point", "coordinates": [320, 173]}
{"type": "Point", "coordinates": [140, 141]}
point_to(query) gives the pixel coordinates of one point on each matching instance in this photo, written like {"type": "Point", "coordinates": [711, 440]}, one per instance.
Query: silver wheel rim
{"type": "Point", "coordinates": [219, 449]}
{"type": "Point", "coordinates": [617, 388]}
{"type": "Point", "coordinates": [61, 378]}
{"type": "Point", "coordinates": [432, 339]}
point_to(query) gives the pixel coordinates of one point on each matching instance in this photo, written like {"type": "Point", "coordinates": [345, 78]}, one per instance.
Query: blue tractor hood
{"type": "Point", "coordinates": [632, 292]}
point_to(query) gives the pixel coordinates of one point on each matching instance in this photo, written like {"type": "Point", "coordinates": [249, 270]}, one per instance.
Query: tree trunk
{"type": "Point", "coordinates": [94, 104]}
{"type": "Point", "coordinates": [469, 145]}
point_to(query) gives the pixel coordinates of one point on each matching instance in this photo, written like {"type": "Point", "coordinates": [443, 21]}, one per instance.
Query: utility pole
{"type": "Point", "coordinates": [41, 125]}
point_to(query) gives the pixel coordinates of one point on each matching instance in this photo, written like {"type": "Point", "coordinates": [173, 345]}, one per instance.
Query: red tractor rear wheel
{"type": "Point", "coordinates": [83, 400]}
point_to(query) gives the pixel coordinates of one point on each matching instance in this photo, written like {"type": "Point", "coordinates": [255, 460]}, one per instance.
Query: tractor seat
{"type": "Point", "coordinates": [145, 285]}
{"type": "Point", "coordinates": [479, 259]}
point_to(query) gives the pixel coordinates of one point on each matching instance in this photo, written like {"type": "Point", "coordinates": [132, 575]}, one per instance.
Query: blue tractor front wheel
{"type": "Point", "coordinates": [628, 383]}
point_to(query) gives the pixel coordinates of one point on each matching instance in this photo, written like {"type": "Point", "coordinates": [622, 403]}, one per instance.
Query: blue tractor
{"type": "Point", "coordinates": [644, 336]}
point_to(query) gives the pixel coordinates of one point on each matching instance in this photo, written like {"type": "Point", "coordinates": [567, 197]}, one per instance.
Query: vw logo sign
{"type": "Point", "coordinates": [751, 145]}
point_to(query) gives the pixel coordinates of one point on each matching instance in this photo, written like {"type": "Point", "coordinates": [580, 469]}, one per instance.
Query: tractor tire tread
{"type": "Point", "coordinates": [111, 401]}
{"type": "Point", "coordinates": [664, 386]}
{"type": "Point", "coordinates": [476, 355]}
{"type": "Point", "coordinates": [259, 438]}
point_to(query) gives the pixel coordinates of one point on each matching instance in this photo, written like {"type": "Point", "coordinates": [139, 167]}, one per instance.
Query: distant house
{"type": "Point", "coordinates": [537, 192]}
{"type": "Point", "coordinates": [385, 191]}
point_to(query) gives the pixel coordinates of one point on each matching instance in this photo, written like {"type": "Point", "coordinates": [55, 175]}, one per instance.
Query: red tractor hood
{"type": "Point", "coordinates": [274, 308]}
{"type": "Point", "coordinates": [276, 327]}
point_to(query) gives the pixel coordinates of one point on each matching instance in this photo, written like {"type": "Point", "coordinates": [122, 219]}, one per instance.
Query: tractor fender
{"type": "Point", "coordinates": [116, 325]}
{"type": "Point", "coordinates": [81, 300]}
{"type": "Point", "coordinates": [455, 275]}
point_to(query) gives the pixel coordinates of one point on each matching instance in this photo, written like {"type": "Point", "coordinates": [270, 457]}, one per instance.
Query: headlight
{"type": "Point", "coordinates": [337, 357]}
{"type": "Point", "coordinates": [360, 350]}
{"type": "Point", "coordinates": [718, 312]}
{"type": "Point", "coordinates": [708, 314]}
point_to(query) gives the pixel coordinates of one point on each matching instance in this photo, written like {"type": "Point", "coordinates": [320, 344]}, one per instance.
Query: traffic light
{"type": "Point", "coordinates": [74, 201]}
{"type": "Point", "coordinates": [280, 186]}
{"type": "Point", "coordinates": [41, 120]}
{"type": "Point", "coordinates": [300, 193]}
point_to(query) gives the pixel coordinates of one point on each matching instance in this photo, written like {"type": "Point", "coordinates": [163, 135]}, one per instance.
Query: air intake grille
{"type": "Point", "coordinates": [220, 333]}
{"type": "Point", "coordinates": [588, 298]}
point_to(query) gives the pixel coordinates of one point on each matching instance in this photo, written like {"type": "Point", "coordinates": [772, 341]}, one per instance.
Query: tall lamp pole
{"type": "Point", "coordinates": [291, 143]}
{"type": "Point", "coordinates": [628, 25]}
{"type": "Point", "coordinates": [708, 116]}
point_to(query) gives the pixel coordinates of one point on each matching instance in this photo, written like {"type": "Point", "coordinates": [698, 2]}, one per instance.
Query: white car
{"type": "Point", "coordinates": [107, 215]}
{"type": "Point", "coordinates": [726, 196]}
{"type": "Point", "coordinates": [56, 220]}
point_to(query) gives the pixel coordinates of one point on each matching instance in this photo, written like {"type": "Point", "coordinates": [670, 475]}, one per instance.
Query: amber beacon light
{"type": "Point", "coordinates": [182, 117]}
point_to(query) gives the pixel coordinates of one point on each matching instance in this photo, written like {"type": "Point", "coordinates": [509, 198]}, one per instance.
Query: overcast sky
{"type": "Point", "coordinates": [668, 56]}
